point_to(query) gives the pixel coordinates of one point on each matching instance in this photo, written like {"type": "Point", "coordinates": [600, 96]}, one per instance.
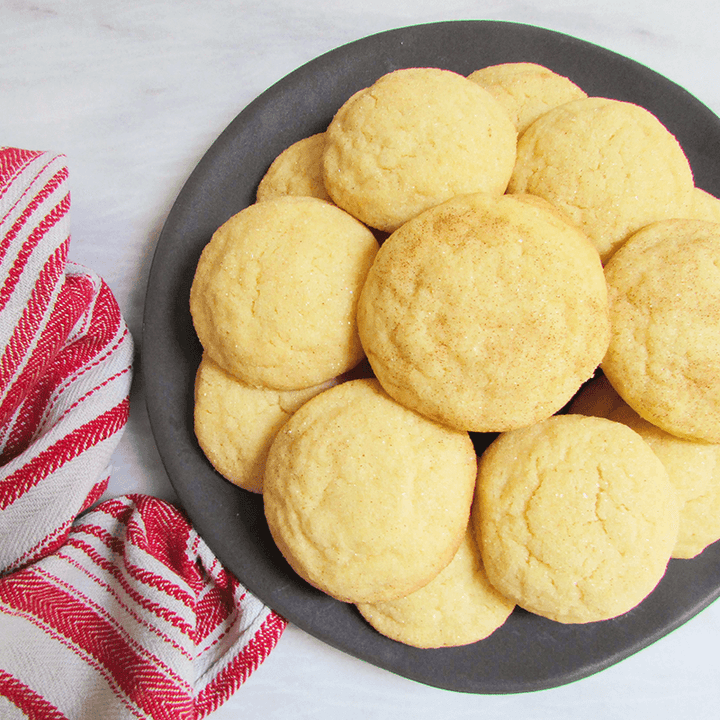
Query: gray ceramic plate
{"type": "Point", "coordinates": [528, 653]}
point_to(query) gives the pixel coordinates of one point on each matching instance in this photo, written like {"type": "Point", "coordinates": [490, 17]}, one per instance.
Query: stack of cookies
{"type": "Point", "coordinates": [495, 261]}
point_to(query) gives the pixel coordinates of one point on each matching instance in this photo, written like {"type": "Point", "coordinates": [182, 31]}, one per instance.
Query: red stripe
{"type": "Point", "coordinates": [35, 236]}
{"type": "Point", "coordinates": [234, 674]}
{"type": "Point", "coordinates": [164, 533]}
{"type": "Point", "coordinates": [81, 367]}
{"type": "Point", "coordinates": [51, 542]}
{"type": "Point", "coordinates": [103, 614]}
{"type": "Point", "coordinates": [67, 448]}
{"type": "Point", "coordinates": [56, 538]}
{"type": "Point", "coordinates": [86, 352]}
{"type": "Point", "coordinates": [27, 327]}
{"type": "Point", "coordinates": [137, 676]}
{"type": "Point", "coordinates": [83, 398]}
{"type": "Point", "coordinates": [105, 319]}
{"type": "Point", "coordinates": [212, 610]}
{"type": "Point", "coordinates": [119, 508]}
{"type": "Point", "coordinates": [36, 199]}
{"type": "Point", "coordinates": [39, 299]}
{"type": "Point", "coordinates": [136, 533]}
{"type": "Point", "coordinates": [85, 527]}
{"type": "Point", "coordinates": [95, 667]}
{"type": "Point", "coordinates": [44, 369]}
{"type": "Point", "coordinates": [117, 545]}
{"type": "Point", "coordinates": [118, 599]}
{"type": "Point", "coordinates": [160, 611]}
{"type": "Point", "coordinates": [27, 700]}
{"type": "Point", "coordinates": [161, 529]}
{"type": "Point", "coordinates": [28, 423]}
{"type": "Point", "coordinates": [96, 492]}
{"type": "Point", "coordinates": [214, 606]}
{"type": "Point", "coordinates": [52, 367]}
{"type": "Point", "coordinates": [12, 162]}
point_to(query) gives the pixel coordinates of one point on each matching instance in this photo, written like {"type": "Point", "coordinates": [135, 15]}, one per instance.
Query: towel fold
{"type": "Point", "coordinates": [112, 610]}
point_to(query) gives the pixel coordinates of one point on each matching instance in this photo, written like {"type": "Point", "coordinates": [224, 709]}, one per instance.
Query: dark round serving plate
{"type": "Point", "coordinates": [528, 653]}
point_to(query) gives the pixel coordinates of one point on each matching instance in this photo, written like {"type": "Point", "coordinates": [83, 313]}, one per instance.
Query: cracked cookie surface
{"type": "Point", "coordinates": [576, 518]}
{"type": "Point", "coordinates": [610, 165]}
{"type": "Point", "coordinates": [413, 139]}
{"type": "Point", "coordinates": [366, 499]}
{"type": "Point", "coordinates": [485, 313]}
{"type": "Point", "coordinates": [693, 467]}
{"type": "Point", "coordinates": [274, 297]}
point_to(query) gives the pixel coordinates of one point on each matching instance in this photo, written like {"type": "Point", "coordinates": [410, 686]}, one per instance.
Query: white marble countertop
{"type": "Point", "coordinates": [135, 92]}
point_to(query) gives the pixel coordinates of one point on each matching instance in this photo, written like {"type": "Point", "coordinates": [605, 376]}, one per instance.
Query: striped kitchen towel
{"type": "Point", "coordinates": [110, 610]}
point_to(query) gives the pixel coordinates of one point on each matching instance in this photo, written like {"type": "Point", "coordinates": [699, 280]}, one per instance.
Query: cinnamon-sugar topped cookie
{"type": "Point", "coordinates": [664, 352]}
{"type": "Point", "coordinates": [485, 313]}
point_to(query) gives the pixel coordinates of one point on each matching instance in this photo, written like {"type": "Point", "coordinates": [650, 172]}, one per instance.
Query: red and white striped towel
{"type": "Point", "coordinates": [119, 611]}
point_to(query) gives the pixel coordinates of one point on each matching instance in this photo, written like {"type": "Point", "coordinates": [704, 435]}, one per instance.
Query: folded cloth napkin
{"type": "Point", "coordinates": [109, 610]}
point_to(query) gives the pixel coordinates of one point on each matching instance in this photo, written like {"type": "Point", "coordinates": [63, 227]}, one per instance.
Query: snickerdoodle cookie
{"type": "Point", "coordinates": [612, 166]}
{"type": "Point", "coordinates": [235, 423]}
{"type": "Point", "coordinates": [576, 518]}
{"type": "Point", "coordinates": [526, 90]}
{"type": "Point", "coordinates": [457, 607]}
{"type": "Point", "coordinates": [275, 292]}
{"type": "Point", "coordinates": [366, 499]}
{"type": "Point", "coordinates": [485, 313]}
{"type": "Point", "coordinates": [693, 467]}
{"type": "Point", "coordinates": [664, 352]}
{"type": "Point", "coordinates": [296, 171]}
{"type": "Point", "coordinates": [413, 139]}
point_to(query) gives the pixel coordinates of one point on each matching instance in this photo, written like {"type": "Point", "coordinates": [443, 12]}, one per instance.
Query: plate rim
{"type": "Point", "coordinates": [155, 386]}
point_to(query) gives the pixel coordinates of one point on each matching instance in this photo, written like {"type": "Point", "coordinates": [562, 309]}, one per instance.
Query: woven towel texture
{"type": "Point", "coordinates": [113, 610]}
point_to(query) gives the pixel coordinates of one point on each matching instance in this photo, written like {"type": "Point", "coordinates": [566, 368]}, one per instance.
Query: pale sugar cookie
{"type": "Point", "coordinates": [457, 607]}
{"type": "Point", "coordinates": [296, 171]}
{"type": "Point", "coordinates": [275, 292]}
{"type": "Point", "coordinates": [416, 137]}
{"type": "Point", "coordinates": [610, 165]}
{"type": "Point", "coordinates": [664, 353]}
{"type": "Point", "coordinates": [485, 313]}
{"type": "Point", "coordinates": [693, 467]}
{"type": "Point", "coordinates": [576, 518]}
{"type": "Point", "coordinates": [235, 423]}
{"type": "Point", "coordinates": [366, 499]}
{"type": "Point", "coordinates": [526, 90]}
